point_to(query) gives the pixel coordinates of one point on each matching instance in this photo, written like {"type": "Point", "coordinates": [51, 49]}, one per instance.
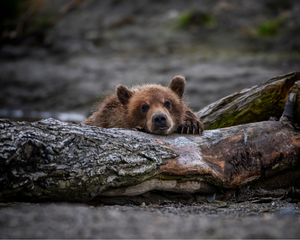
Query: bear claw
{"type": "Point", "coordinates": [137, 128]}
{"type": "Point", "coordinates": [191, 128]}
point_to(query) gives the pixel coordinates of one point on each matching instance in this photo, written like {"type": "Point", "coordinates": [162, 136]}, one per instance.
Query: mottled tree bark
{"type": "Point", "coordinates": [53, 160]}
{"type": "Point", "coordinates": [58, 161]}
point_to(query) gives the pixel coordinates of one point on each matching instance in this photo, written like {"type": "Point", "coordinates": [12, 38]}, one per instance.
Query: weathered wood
{"type": "Point", "coordinates": [58, 161]}
{"type": "Point", "coordinates": [227, 158]}
{"type": "Point", "coordinates": [53, 160]}
{"type": "Point", "coordinates": [254, 104]}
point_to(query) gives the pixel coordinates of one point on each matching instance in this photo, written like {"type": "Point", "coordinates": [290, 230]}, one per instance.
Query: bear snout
{"type": "Point", "coordinates": [160, 119]}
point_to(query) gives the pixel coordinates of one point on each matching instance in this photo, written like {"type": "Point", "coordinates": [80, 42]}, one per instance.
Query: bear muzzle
{"type": "Point", "coordinates": [160, 121]}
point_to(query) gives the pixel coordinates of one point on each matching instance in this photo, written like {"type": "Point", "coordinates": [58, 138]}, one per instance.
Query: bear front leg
{"type": "Point", "coordinates": [191, 125]}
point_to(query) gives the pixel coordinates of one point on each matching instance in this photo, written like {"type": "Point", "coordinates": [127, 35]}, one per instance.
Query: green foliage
{"type": "Point", "coordinates": [184, 19]}
{"type": "Point", "coordinates": [271, 27]}
{"type": "Point", "coordinates": [195, 18]}
{"type": "Point", "coordinates": [268, 28]}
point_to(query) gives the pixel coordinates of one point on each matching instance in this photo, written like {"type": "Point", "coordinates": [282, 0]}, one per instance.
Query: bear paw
{"type": "Point", "coordinates": [191, 127]}
{"type": "Point", "coordinates": [137, 128]}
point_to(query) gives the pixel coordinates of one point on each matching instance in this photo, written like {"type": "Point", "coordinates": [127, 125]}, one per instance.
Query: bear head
{"type": "Point", "coordinates": [154, 108]}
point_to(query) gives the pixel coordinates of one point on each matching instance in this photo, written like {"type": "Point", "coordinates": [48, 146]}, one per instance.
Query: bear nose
{"type": "Point", "coordinates": [159, 119]}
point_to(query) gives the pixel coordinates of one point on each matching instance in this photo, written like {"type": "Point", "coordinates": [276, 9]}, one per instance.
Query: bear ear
{"type": "Point", "coordinates": [177, 85]}
{"type": "Point", "coordinates": [123, 94]}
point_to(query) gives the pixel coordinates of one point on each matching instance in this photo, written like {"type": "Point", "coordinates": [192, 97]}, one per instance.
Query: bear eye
{"type": "Point", "coordinates": [167, 104]}
{"type": "Point", "coordinates": [145, 107]}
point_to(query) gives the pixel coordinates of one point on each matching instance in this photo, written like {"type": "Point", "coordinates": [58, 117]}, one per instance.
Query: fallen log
{"type": "Point", "coordinates": [59, 161]}
{"type": "Point", "coordinates": [254, 104]}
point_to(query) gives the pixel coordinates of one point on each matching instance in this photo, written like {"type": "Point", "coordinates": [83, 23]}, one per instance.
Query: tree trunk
{"type": "Point", "coordinates": [58, 161]}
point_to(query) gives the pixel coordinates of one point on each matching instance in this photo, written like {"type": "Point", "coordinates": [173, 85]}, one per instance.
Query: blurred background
{"type": "Point", "coordinates": [59, 57]}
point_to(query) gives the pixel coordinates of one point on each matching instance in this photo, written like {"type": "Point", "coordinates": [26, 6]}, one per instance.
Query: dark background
{"type": "Point", "coordinates": [63, 56]}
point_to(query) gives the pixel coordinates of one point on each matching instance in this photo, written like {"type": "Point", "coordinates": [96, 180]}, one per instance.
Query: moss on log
{"type": "Point", "coordinates": [254, 104]}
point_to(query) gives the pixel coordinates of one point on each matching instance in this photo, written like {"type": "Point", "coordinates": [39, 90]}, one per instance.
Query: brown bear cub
{"type": "Point", "coordinates": [149, 108]}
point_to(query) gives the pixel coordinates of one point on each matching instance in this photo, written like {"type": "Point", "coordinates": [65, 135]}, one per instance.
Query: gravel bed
{"type": "Point", "coordinates": [277, 219]}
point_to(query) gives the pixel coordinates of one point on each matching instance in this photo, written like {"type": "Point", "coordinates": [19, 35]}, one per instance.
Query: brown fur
{"type": "Point", "coordinates": [150, 108]}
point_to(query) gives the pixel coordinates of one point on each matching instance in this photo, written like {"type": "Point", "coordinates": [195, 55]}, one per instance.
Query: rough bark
{"type": "Point", "coordinates": [53, 160]}
{"type": "Point", "coordinates": [59, 161]}
{"type": "Point", "coordinates": [254, 104]}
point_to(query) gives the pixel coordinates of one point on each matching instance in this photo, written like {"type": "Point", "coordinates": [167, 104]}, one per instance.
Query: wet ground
{"type": "Point", "coordinates": [69, 67]}
{"type": "Point", "coordinates": [101, 44]}
{"type": "Point", "coordinates": [75, 84]}
{"type": "Point", "coordinates": [277, 219]}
